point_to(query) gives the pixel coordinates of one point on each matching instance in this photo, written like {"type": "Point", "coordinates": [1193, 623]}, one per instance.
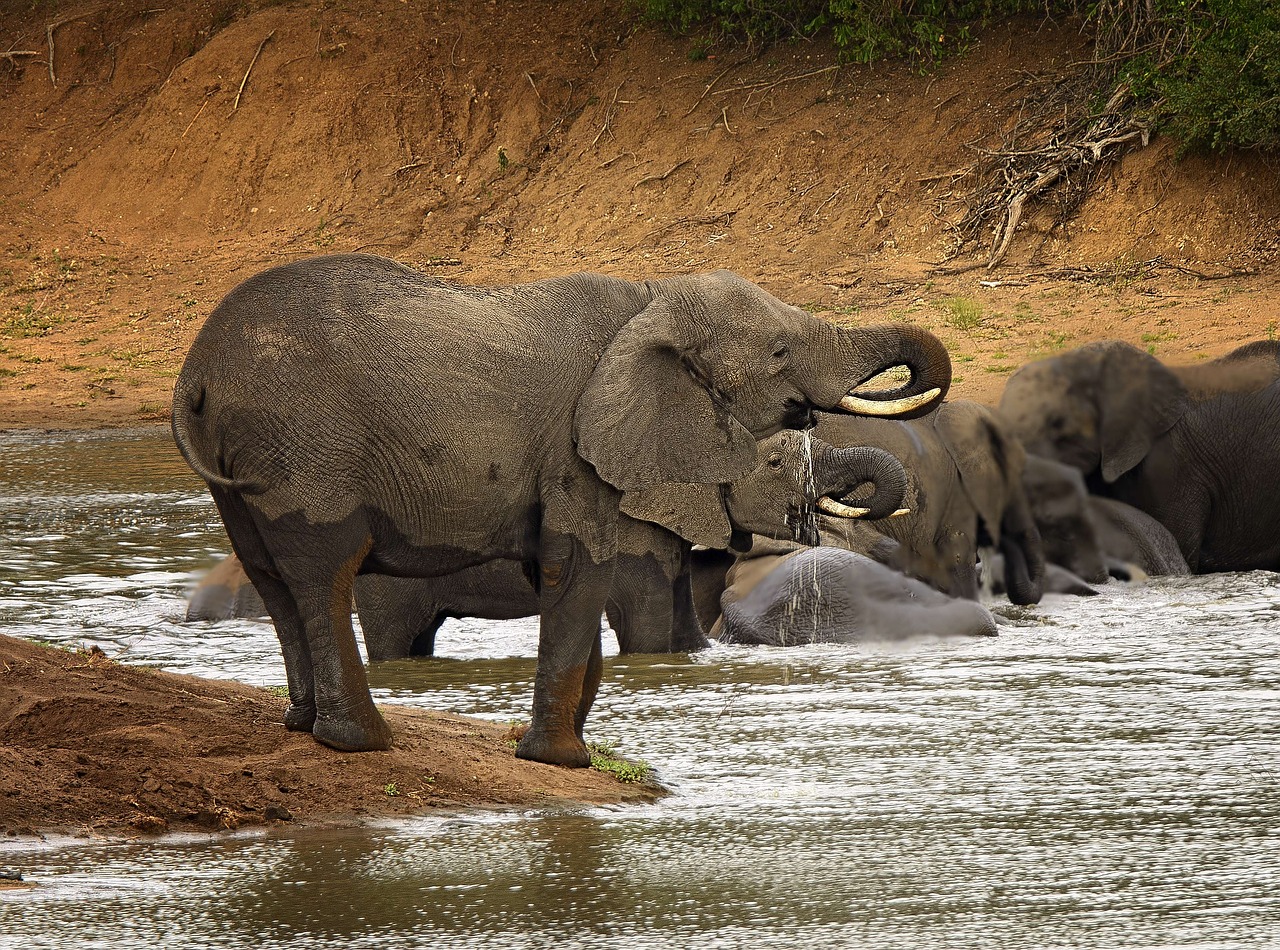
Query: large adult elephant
{"type": "Point", "coordinates": [795, 597]}
{"type": "Point", "coordinates": [351, 415]}
{"type": "Point", "coordinates": [1192, 446]}
{"type": "Point", "coordinates": [965, 491]}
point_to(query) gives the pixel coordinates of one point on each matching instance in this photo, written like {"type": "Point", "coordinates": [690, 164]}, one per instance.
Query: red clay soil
{"type": "Point", "coordinates": [177, 149]}
{"type": "Point", "coordinates": [90, 746]}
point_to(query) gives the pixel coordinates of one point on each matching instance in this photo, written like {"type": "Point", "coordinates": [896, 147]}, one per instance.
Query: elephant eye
{"type": "Point", "coordinates": [780, 350]}
{"type": "Point", "coordinates": [775, 460]}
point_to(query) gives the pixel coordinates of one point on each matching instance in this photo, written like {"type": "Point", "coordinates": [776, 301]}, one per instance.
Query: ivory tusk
{"type": "Point", "coordinates": [833, 507]}
{"type": "Point", "coordinates": [889, 407]}
{"type": "Point", "coordinates": [900, 512]}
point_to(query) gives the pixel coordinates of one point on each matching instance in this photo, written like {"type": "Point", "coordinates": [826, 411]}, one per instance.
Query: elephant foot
{"type": "Point", "coordinates": [539, 746]}
{"type": "Point", "coordinates": [359, 733]}
{"type": "Point", "coordinates": [299, 717]}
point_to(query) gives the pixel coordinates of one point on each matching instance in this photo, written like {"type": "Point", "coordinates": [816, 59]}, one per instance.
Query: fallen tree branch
{"type": "Point", "coordinates": [244, 82]}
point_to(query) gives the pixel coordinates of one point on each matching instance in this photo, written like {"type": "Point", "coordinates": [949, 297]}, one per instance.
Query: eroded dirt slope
{"type": "Point", "coordinates": [175, 151]}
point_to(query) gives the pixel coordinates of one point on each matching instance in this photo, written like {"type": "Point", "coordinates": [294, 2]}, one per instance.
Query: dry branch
{"type": "Point", "coordinates": [1065, 166]}
{"type": "Point", "coordinates": [244, 82]}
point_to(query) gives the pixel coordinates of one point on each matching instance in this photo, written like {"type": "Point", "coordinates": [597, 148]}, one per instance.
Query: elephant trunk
{"type": "Point", "coordinates": [859, 355]}
{"type": "Point", "coordinates": [839, 473]}
{"type": "Point", "coordinates": [1024, 567]}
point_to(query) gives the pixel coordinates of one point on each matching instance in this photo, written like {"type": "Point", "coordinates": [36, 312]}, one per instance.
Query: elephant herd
{"type": "Point", "coordinates": [685, 457]}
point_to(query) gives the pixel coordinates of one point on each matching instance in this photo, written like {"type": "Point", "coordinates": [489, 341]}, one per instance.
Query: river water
{"type": "Point", "coordinates": [1106, 773]}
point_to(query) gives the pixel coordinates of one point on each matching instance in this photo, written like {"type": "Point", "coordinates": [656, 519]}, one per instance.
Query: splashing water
{"type": "Point", "coordinates": [807, 515]}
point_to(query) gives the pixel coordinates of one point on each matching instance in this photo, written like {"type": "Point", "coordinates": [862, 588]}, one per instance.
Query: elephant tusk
{"type": "Point", "coordinates": [889, 407]}
{"type": "Point", "coordinates": [833, 507]}
{"type": "Point", "coordinates": [900, 512]}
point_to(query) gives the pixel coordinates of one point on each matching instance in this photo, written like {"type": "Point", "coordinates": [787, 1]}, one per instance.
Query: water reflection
{"type": "Point", "coordinates": [1104, 773]}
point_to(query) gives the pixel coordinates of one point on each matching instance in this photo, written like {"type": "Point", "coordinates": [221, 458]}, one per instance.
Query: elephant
{"type": "Point", "coordinates": [832, 595]}
{"type": "Point", "coordinates": [224, 593]}
{"type": "Point", "coordinates": [1190, 446]}
{"type": "Point", "coordinates": [966, 491]}
{"type": "Point", "coordinates": [1131, 537]}
{"type": "Point", "coordinates": [1060, 506]}
{"type": "Point", "coordinates": [353, 416]}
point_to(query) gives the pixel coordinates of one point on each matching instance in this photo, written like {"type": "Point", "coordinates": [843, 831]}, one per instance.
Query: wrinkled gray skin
{"type": "Point", "coordinates": [965, 491]}
{"type": "Point", "coordinates": [1133, 537]}
{"type": "Point", "coordinates": [1192, 446]}
{"type": "Point", "coordinates": [352, 416]}
{"type": "Point", "coordinates": [1060, 505]}
{"type": "Point", "coordinates": [830, 595]}
{"type": "Point", "coordinates": [650, 606]}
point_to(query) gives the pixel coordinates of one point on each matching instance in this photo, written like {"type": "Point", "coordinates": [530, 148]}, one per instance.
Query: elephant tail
{"type": "Point", "coordinates": [191, 433]}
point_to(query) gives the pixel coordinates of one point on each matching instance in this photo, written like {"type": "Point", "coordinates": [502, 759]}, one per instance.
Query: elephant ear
{"type": "Point", "coordinates": [649, 415]}
{"type": "Point", "coordinates": [695, 512]}
{"type": "Point", "coordinates": [989, 460]}
{"type": "Point", "coordinates": [1139, 400]}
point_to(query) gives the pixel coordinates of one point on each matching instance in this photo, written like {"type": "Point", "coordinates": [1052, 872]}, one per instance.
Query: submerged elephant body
{"type": "Point", "coordinates": [353, 416]}
{"type": "Point", "coordinates": [831, 595]}
{"type": "Point", "coordinates": [1190, 446]}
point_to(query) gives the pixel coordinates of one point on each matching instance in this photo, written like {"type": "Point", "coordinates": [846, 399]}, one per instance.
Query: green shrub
{"type": "Point", "coordinates": [1206, 71]}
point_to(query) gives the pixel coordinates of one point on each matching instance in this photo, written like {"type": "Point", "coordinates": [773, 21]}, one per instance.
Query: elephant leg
{"type": "Point", "coordinates": [590, 685]}
{"type": "Point", "coordinates": [300, 715]}
{"type": "Point", "coordinates": [572, 592]}
{"type": "Point", "coordinates": [319, 567]}
{"type": "Point", "coordinates": [687, 635]}
{"type": "Point", "coordinates": [259, 567]}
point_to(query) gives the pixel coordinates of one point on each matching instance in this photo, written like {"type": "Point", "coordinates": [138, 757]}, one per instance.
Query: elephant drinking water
{"type": "Point", "coordinates": [352, 415]}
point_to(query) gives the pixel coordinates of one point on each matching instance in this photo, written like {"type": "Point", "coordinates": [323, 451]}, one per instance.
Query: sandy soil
{"type": "Point", "coordinates": [90, 746]}
{"type": "Point", "coordinates": [169, 152]}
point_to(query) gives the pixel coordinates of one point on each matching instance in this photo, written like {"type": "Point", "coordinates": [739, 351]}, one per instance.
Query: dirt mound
{"type": "Point", "coordinates": [182, 148]}
{"type": "Point", "coordinates": [91, 746]}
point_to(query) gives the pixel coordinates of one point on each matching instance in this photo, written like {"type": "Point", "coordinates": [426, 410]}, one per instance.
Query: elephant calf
{"type": "Point", "coordinates": [830, 595]}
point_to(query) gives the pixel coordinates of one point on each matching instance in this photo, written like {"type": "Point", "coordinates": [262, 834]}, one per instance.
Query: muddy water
{"type": "Point", "coordinates": [1104, 774]}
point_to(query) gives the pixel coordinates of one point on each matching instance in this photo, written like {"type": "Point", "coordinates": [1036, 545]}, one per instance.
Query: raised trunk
{"type": "Point", "coordinates": [845, 360]}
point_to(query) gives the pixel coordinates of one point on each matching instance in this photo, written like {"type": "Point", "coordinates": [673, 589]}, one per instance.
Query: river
{"type": "Point", "coordinates": [1105, 773]}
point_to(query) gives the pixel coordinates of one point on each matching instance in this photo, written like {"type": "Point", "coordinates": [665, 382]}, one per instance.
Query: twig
{"type": "Point", "coordinates": [723, 73]}
{"type": "Point", "coordinates": [829, 200]}
{"type": "Point", "coordinates": [778, 82]}
{"type": "Point", "coordinates": [529, 76]}
{"type": "Point", "coordinates": [245, 81]}
{"type": "Point", "coordinates": [13, 54]}
{"type": "Point", "coordinates": [608, 116]}
{"type": "Point", "coordinates": [664, 176]}
{"type": "Point", "coordinates": [193, 121]}
{"type": "Point", "coordinates": [606, 164]}
{"type": "Point", "coordinates": [409, 167]}
{"type": "Point", "coordinates": [724, 116]}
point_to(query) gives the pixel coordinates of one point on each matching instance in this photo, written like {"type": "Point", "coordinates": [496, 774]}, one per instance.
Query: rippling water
{"type": "Point", "coordinates": [1106, 773]}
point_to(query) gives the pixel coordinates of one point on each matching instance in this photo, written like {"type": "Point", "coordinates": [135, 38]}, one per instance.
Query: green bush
{"type": "Point", "coordinates": [1207, 71]}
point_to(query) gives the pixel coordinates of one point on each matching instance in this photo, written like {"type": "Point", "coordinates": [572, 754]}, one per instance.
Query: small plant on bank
{"type": "Point", "coordinates": [962, 313]}
{"type": "Point", "coordinates": [603, 759]}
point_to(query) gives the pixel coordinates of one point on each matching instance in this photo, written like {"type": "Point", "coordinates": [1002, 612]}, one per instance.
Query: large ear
{"type": "Point", "coordinates": [1139, 400]}
{"type": "Point", "coordinates": [695, 512]}
{"type": "Point", "coordinates": [989, 461]}
{"type": "Point", "coordinates": [648, 414]}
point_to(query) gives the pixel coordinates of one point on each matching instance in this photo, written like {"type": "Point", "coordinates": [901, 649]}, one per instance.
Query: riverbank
{"type": "Point", "coordinates": [499, 143]}
{"type": "Point", "coordinates": [89, 746]}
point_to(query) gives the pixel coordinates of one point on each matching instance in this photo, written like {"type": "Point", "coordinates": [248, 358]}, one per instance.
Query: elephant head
{"type": "Point", "coordinates": [713, 363]}
{"type": "Point", "coordinates": [990, 464]}
{"type": "Point", "coordinates": [797, 476]}
{"type": "Point", "coordinates": [1060, 505]}
{"type": "Point", "coordinates": [1098, 408]}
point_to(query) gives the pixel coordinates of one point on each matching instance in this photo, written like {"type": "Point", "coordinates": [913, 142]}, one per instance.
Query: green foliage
{"type": "Point", "coordinates": [603, 759]}
{"type": "Point", "coordinates": [1223, 89]}
{"type": "Point", "coordinates": [1206, 71]}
